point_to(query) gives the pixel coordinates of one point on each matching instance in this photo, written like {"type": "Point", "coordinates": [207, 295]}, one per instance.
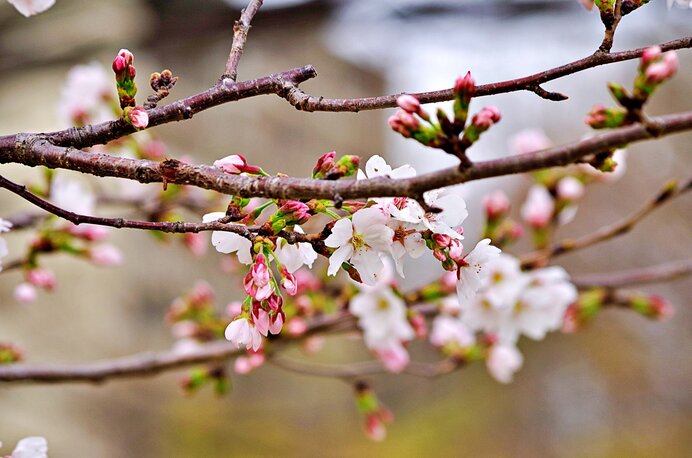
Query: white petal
{"type": "Point", "coordinates": [341, 255]}
{"type": "Point", "coordinates": [369, 265]}
{"type": "Point", "coordinates": [31, 447]}
{"type": "Point", "coordinates": [342, 232]}
{"type": "Point", "coordinates": [31, 7]}
{"type": "Point", "coordinates": [379, 237]}
{"type": "Point", "coordinates": [363, 219]}
{"type": "Point", "coordinates": [210, 217]}
{"type": "Point", "coordinates": [377, 166]}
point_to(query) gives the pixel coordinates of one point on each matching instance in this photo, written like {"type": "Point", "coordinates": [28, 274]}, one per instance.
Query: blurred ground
{"type": "Point", "coordinates": [620, 388]}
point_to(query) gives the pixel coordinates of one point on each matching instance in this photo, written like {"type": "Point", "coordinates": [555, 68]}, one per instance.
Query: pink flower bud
{"type": "Point", "coordinates": [288, 282]}
{"type": "Point", "coordinates": [649, 55]}
{"type": "Point", "coordinates": [126, 55]}
{"type": "Point", "coordinates": [25, 293]}
{"type": "Point", "coordinates": [196, 243]}
{"type": "Point", "coordinates": [465, 85]}
{"type": "Point", "coordinates": [660, 308]}
{"type": "Point", "coordinates": [119, 64]}
{"type": "Point", "coordinates": [139, 118]}
{"type": "Point", "coordinates": [295, 212]}
{"type": "Point", "coordinates": [394, 358]}
{"type": "Point", "coordinates": [419, 326]}
{"type": "Point", "coordinates": [408, 103]}
{"type": "Point", "coordinates": [261, 321]}
{"type": "Point", "coordinates": [496, 204]}
{"type": "Point", "coordinates": [202, 292]}
{"type": "Point", "coordinates": [440, 256]}
{"type": "Point", "coordinates": [375, 428]}
{"type": "Point", "coordinates": [324, 165]}
{"type": "Point", "coordinates": [442, 240]}
{"type": "Point", "coordinates": [275, 302]}
{"type": "Point", "coordinates": [588, 4]}
{"type": "Point", "coordinates": [89, 232]}
{"type": "Point", "coordinates": [42, 278]}
{"type": "Point", "coordinates": [277, 322]}
{"type": "Point", "coordinates": [660, 71]}
{"type": "Point", "coordinates": [106, 256]}
{"type": "Point", "coordinates": [456, 251]}
{"type": "Point", "coordinates": [486, 118]}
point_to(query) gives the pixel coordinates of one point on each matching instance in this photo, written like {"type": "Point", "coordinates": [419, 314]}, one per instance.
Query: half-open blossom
{"type": "Point", "coordinates": [31, 7]}
{"type": "Point", "coordinates": [503, 361]}
{"type": "Point", "coordinates": [235, 164]}
{"type": "Point", "coordinates": [138, 117]}
{"type": "Point", "coordinates": [360, 241]}
{"type": "Point", "coordinates": [257, 282]}
{"type": "Point", "coordinates": [243, 334]}
{"type": "Point", "coordinates": [229, 242]}
{"type": "Point", "coordinates": [474, 269]}
{"type": "Point", "coordinates": [293, 256]}
{"type": "Point", "coordinates": [539, 207]}
{"type": "Point", "coordinates": [288, 281]}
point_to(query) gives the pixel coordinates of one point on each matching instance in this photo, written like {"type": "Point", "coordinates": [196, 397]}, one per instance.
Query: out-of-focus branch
{"type": "Point", "coordinates": [33, 151]}
{"type": "Point", "coordinates": [670, 190]}
{"type": "Point", "coordinates": [650, 274]}
{"type": "Point", "coordinates": [240, 31]}
{"type": "Point", "coordinates": [610, 28]}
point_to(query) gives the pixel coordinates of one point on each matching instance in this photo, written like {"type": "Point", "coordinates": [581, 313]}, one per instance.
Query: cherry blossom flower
{"type": "Point", "coordinates": [503, 361]}
{"type": "Point", "coordinates": [474, 269]}
{"type": "Point", "coordinates": [447, 329]}
{"type": "Point", "coordinates": [452, 215]}
{"type": "Point", "coordinates": [84, 94]}
{"type": "Point", "coordinates": [229, 242]}
{"type": "Point", "coordinates": [296, 255]}
{"type": "Point", "coordinates": [361, 241]}
{"type": "Point", "coordinates": [243, 334]}
{"type": "Point", "coordinates": [257, 282]}
{"type": "Point", "coordinates": [407, 239]}
{"type": "Point", "coordinates": [530, 140]}
{"type": "Point", "coordinates": [106, 256]}
{"type": "Point", "coordinates": [539, 207]}
{"type": "Point", "coordinates": [25, 293]}
{"type": "Point", "coordinates": [31, 447]}
{"type": "Point", "coordinates": [378, 167]}
{"type": "Point", "coordinates": [31, 7]}
{"type": "Point", "coordinates": [570, 188]}
{"type": "Point", "coordinates": [72, 196]}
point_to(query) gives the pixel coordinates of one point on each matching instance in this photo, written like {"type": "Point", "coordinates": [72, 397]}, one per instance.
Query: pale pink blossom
{"type": "Point", "coordinates": [394, 357]}
{"type": "Point", "coordinates": [72, 196]}
{"type": "Point", "coordinates": [665, 68]}
{"type": "Point", "coordinates": [83, 96]}
{"type": "Point", "coordinates": [650, 54]}
{"type": "Point", "coordinates": [407, 240]}
{"type": "Point", "coordinates": [31, 447]}
{"type": "Point", "coordinates": [503, 361]}
{"type": "Point", "coordinates": [31, 7]}
{"type": "Point", "coordinates": [257, 281]}
{"type": "Point", "coordinates": [447, 329]}
{"type": "Point", "coordinates": [243, 334]}
{"type": "Point", "coordinates": [235, 164]}
{"type": "Point", "coordinates": [229, 242]}
{"type": "Point", "coordinates": [196, 243]}
{"type": "Point", "coordinates": [234, 309]}
{"type": "Point", "coordinates": [276, 323]}
{"type": "Point", "coordinates": [539, 207]}
{"type": "Point", "coordinates": [570, 188]}
{"type": "Point", "coordinates": [296, 326]}
{"type": "Point", "coordinates": [89, 232]}
{"type": "Point", "coordinates": [530, 140]}
{"type": "Point", "coordinates": [361, 241]}
{"type": "Point", "coordinates": [261, 321]}
{"type": "Point", "coordinates": [106, 256]}
{"type": "Point", "coordinates": [25, 293]}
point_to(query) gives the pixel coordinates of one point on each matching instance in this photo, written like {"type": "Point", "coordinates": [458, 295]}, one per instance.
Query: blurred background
{"type": "Point", "coordinates": [618, 388]}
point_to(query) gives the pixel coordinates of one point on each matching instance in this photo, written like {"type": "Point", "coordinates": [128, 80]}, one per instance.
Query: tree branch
{"type": "Point", "coordinates": [650, 274]}
{"type": "Point", "coordinates": [240, 31]}
{"type": "Point", "coordinates": [670, 190]}
{"type": "Point", "coordinates": [32, 151]}
{"type": "Point", "coordinates": [285, 84]}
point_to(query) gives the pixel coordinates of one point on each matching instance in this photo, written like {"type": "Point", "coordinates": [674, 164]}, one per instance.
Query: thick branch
{"type": "Point", "coordinates": [240, 31]}
{"type": "Point", "coordinates": [32, 151]}
{"type": "Point", "coordinates": [650, 274]}
{"type": "Point", "coordinates": [666, 193]}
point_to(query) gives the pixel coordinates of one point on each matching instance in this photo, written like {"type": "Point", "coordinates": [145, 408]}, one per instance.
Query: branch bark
{"type": "Point", "coordinates": [33, 151]}
{"type": "Point", "coordinates": [240, 31]}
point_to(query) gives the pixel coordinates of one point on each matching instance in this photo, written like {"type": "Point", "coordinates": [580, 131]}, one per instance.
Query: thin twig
{"type": "Point", "coordinates": [285, 84]}
{"type": "Point", "coordinates": [222, 224]}
{"type": "Point", "coordinates": [610, 28]}
{"type": "Point", "coordinates": [670, 190]}
{"type": "Point", "coordinates": [650, 274]}
{"type": "Point", "coordinates": [240, 31]}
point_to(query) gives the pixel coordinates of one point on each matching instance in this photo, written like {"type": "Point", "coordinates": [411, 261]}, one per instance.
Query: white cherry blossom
{"type": "Point", "coordinates": [407, 239]}
{"type": "Point", "coordinates": [447, 329]}
{"type": "Point", "coordinates": [72, 196]}
{"type": "Point", "coordinates": [452, 215]}
{"type": "Point", "coordinates": [378, 167]}
{"type": "Point", "coordinates": [360, 241]}
{"type": "Point", "coordinates": [294, 256]}
{"type": "Point", "coordinates": [229, 242]}
{"type": "Point", "coordinates": [539, 207]}
{"type": "Point", "coordinates": [31, 7]}
{"type": "Point", "coordinates": [243, 334]}
{"type": "Point", "coordinates": [474, 270]}
{"type": "Point", "coordinates": [82, 97]}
